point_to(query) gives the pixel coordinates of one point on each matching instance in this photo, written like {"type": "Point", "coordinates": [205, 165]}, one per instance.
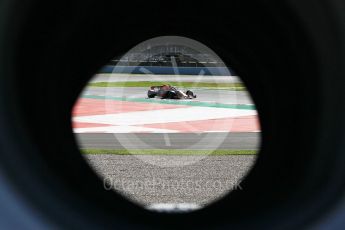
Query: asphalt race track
{"type": "Point", "coordinates": [247, 141]}
{"type": "Point", "coordinates": [204, 95]}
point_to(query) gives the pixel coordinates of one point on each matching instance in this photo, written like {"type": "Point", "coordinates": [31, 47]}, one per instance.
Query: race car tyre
{"type": "Point", "coordinates": [151, 94]}
{"type": "Point", "coordinates": [190, 94]}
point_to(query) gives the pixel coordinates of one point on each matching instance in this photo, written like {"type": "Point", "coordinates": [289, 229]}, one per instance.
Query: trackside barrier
{"type": "Point", "coordinates": [163, 70]}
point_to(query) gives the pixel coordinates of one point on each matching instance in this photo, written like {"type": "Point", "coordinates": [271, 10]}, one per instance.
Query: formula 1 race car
{"type": "Point", "coordinates": [169, 92]}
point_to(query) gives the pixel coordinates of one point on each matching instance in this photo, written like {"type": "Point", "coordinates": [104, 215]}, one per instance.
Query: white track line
{"type": "Point", "coordinates": [165, 116]}
{"type": "Point", "coordinates": [122, 129]}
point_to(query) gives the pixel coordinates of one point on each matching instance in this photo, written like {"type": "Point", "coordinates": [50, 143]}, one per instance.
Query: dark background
{"type": "Point", "coordinates": [290, 55]}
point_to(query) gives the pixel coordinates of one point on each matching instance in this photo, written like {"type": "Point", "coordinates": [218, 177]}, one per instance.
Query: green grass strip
{"type": "Point", "coordinates": [174, 102]}
{"type": "Point", "coordinates": [168, 152]}
{"type": "Point", "coordinates": [231, 86]}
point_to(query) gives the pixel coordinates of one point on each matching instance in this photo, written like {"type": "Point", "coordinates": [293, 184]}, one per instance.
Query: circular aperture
{"type": "Point", "coordinates": [168, 125]}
